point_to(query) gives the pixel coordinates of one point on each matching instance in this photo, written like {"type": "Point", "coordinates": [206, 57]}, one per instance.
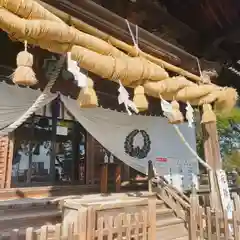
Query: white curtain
{"type": "Point", "coordinates": [111, 129]}
{"type": "Point", "coordinates": [15, 101]}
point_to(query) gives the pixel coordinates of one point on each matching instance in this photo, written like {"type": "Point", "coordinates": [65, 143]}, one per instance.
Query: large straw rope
{"type": "Point", "coordinates": [52, 31]}
{"type": "Point", "coordinates": [131, 50]}
{"type": "Point", "coordinates": [53, 77]}
{"type": "Point", "coordinates": [129, 70]}
{"type": "Point", "coordinates": [47, 35]}
{"type": "Point", "coordinates": [33, 10]}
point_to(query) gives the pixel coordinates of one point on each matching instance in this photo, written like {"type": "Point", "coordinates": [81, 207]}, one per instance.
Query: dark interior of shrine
{"type": "Point", "coordinates": [204, 28]}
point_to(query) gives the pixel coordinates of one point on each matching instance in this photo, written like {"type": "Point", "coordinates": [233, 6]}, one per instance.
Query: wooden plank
{"type": "Point", "coordinates": [209, 223]}
{"type": "Point", "coordinates": [14, 234]}
{"type": "Point", "coordinates": [217, 224]}
{"type": "Point", "coordinates": [236, 226]}
{"type": "Point", "coordinates": [144, 225]}
{"type": "Point", "coordinates": [226, 225]}
{"type": "Point", "coordinates": [104, 178]}
{"type": "Point", "coordinates": [200, 222]}
{"type": "Point", "coordinates": [82, 223]}
{"type": "Point", "coordinates": [100, 228]}
{"type": "Point", "coordinates": [29, 233]}
{"type": "Point", "coordinates": [91, 216]}
{"type": "Point", "coordinates": [152, 217]}
{"type": "Point", "coordinates": [137, 226]}
{"type": "Point", "coordinates": [110, 227]}
{"type": "Point", "coordinates": [128, 224]}
{"type": "Point", "coordinates": [118, 226]}
{"type": "Point", "coordinates": [118, 177]}
{"type": "Point", "coordinates": [71, 231]}
{"type": "Point", "coordinates": [46, 191]}
{"type": "Point", "coordinates": [192, 225]}
{"type": "Point", "coordinates": [57, 234]}
{"type": "Point", "coordinates": [43, 233]}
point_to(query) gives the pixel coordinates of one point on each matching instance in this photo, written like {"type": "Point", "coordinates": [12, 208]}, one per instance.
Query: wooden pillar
{"type": "Point", "coordinates": [9, 161]}
{"type": "Point", "coordinates": [90, 152]}
{"type": "Point", "coordinates": [6, 158]}
{"type": "Point", "coordinates": [211, 145]}
{"type": "Point", "coordinates": [213, 158]}
{"type": "Point", "coordinates": [104, 178]}
{"type": "Point", "coordinates": [4, 144]}
{"type": "Point", "coordinates": [118, 177]}
{"type": "Point", "coordinates": [126, 172]}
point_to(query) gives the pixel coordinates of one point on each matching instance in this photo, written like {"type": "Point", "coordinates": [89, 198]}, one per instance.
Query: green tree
{"type": "Point", "coordinates": [229, 138]}
{"type": "Point", "coordinates": [232, 161]}
{"type": "Point", "coordinates": [229, 131]}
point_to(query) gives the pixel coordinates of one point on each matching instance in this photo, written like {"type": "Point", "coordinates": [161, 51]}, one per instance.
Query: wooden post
{"type": "Point", "coordinates": [213, 158]}
{"type": "Point", "coordinates": [104, 178]}
{"type": "Point", "coordinates": [211, 145]}
{"type": "Point", "coordinates": [118, 177]}
{"type": "Point", "coordinates": [53, 141]}
{"type": "Point", "coordinates": [126, 172]}
{"type": "Point", "coordinates": [150, 175]}
{"type": "Point", "coordinates": [152, 217]}
{"type": "Point", "coordinates": [4, 145]}
{"type": "Point", "coordinates": [9, 161]}
{"type": "Point", "coordinates": [90, 152]}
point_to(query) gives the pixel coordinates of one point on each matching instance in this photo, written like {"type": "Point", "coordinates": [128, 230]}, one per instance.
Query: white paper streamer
{"type": "Point", "coordinates": [73, 67]}
{"type": "Point", "coordinates": [123, 98]}
{"type": "Point", "coordinates": [189, 115]}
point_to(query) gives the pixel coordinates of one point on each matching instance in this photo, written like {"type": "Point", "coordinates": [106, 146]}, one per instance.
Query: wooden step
{"type": "Point", "coordinates": [160, 204]}
{"type": "Point", "coordinates": [24, 220]}
{"type": "Point", "coordinates": [169, 222]}
{"type": "Point", "coordinates": [20, 214]}
{"type": "Point", "coordinates": [164, 213]}
{"type": "Point", "coordinates": [172, 228]}
{"type": "Point", "coordinates": [15, 207]}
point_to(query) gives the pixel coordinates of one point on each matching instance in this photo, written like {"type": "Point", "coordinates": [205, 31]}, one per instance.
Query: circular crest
{"type": "Point", "coordinates": [137, 151]}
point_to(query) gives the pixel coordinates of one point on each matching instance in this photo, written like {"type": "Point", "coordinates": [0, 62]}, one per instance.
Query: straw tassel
{"type": "Point", "coordinates": [140, 99]}
{"type": "Point", "coordinates": [176, 116]}
{"type": "Point", "coordinates": [87, 97]}
{"type": "Point", "coordinates": [208, 114]}
{"type": "Point", "coordinates": [24, 74]}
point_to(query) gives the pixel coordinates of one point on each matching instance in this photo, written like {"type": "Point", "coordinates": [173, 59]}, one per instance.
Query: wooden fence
{"type": "Point", "coordinates": [209, 224]}
{"type": "Point", "coordinates": [140, 225]}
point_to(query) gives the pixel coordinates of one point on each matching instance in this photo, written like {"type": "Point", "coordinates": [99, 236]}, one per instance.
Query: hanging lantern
{"type": "Point", "coordinates": [140, 99]}
{"type": "Point", "coordinates": [208, 114]}
{"type": "Point", "coordinates": [176, 116]}
{"type": "Point", "coordinates": [87, 97]}
{"type": "Point", "coordinates": [24, 74]}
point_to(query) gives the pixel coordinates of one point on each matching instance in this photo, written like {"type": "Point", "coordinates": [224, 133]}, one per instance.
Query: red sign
{"type": "Point", "coordinates": [161, 159]}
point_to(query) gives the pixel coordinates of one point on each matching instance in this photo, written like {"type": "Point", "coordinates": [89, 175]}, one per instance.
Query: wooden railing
{"type": "Point", "coordinates": [209, 224]}
{"type": "Point", "coordinates": [175, 199]}
{"type": "Point", "coordinates": [133, 220]}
